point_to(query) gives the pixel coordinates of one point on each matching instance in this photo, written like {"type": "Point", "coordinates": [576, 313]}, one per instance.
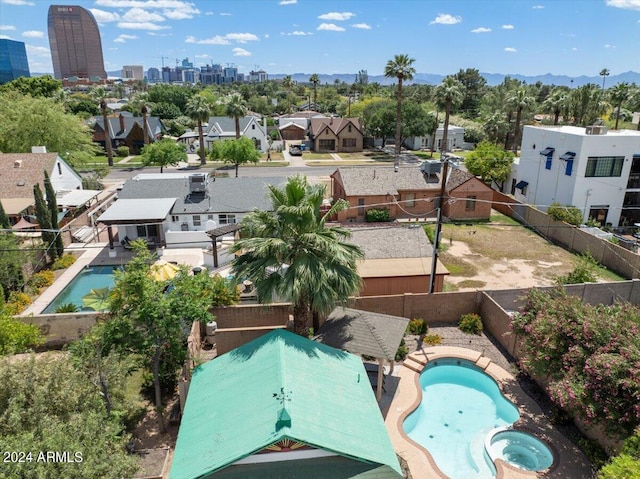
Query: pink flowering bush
{"type": "Point", "coordinates": [588, 355]}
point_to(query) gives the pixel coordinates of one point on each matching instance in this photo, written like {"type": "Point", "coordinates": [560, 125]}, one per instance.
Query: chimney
{"type": "Point", "coordinates": [121, 118]}
{"type": "Point", "coordinates": [38, 149]}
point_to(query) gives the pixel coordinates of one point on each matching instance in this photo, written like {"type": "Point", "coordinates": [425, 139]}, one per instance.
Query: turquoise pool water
{"type": "Point", "coordinates": [460, 406]}
{"type": "Point", "coordinates": [519, 449]}
{"type": "Point", "coordinates": [88, 279]}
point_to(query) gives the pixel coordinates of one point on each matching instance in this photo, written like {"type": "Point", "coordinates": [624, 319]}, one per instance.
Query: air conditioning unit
{"type": "Point", "coordinates": [197, 183]}
{"type": "Point", "coordinates": [431, 167]}
{"type": "Point", "coordinates": [596, 130]}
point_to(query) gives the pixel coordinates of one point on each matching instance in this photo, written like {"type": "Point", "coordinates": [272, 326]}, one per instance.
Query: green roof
{"type": "Point", "coordinates": [234, 409]}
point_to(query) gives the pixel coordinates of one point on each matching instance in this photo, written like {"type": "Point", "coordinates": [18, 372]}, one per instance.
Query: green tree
{"type": "Point", "coordinates": [401, 67]}
{"type": "Point", "coordinates": [16, 336]}
{"type": "Point", "coordinates": [619, 94]}
{"type": "Point", "coordinates": [490, 162]}
{"type": "Point", "coordinates": [99, 94]}
{"type": "Point", "coordinates": [177, 95]}
{"type": "Point", "coordinates": [166, 111]}
{"type": "Point", "coordinates": [416, 121]}
{"type": "Point", "coordinates": [519, 100]}
{"type": "Point", "coordinates": [290, 253]}
{"type": "Point", "coordinates": [314, 80]}
{"type": "Point", "coordinates": [84, 107]}
{"type": "Point", "coordinates": [43, 86]}
{"type": "Point", "coordinates": [163, 153]}
{"type": "Point", "coordinates": [198, 110]}
{"type": "Point", "coordinates": [237, 152]}
{"type": "Point", "coordinates": [11, 261]}
{"type": "Point", "coordinates": [44, 220]}
{"type": "Point", "coordinates": [448, 94]}
{"type": "Point", "coordinates": [557, 103]}
{"type": "Point", "coordinates": [52, 206]}
{"type": "Point", "coordinates": [4, 219]}
{"type": "Point", "coordinates": [236, 108]}
{"type": "Point", "coordinates": [474, 86]}
{"type": "Point", "coordinates": [287, 84]}
{"type": "Point", "coordinates": [604, 73]}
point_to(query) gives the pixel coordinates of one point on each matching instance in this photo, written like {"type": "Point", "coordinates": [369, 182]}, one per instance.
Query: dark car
{"type": "Point", "coordinates": [295, 151]}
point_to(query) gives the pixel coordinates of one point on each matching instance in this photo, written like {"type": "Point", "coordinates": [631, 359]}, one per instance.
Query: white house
{"type": "Point", "coordinates": [224, 128]}
{"type": "Point", "coordinates": [590, 168]}
{"type": "Point", "coordinates": [455, 139]}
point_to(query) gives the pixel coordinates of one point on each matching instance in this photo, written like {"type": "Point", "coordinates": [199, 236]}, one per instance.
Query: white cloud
{"type": "Point", "coordinates": [574, 49]}
{"type": "Point", "coordinates": [337, 16]}
{"type": "Point", "coordinates": [179, 14]}
{"type": "Point", "coordinates": [241, 37]}
{"type": "Point", "coordinates": [208, 13]}
{"type": "Point", "coordinates": [510, 50]}
{"type": "Point", "coordinates": [147, 4]}
{"type": "Point", "coordinates": [204, 55]}
{"type": "Point", "coordinates": [225, 14]}
{"type": "Point", "coordinates": [103, 16]}
{"type": "Point", "coordinates": [140, 26]}
{"type": "Point", "coordinates": [5, 28]}
{"type": "Point", "coordinates": [481, 30]}
{"type": "Point", "coordinates": [608, 45]}
{"type": "Point", "coordinates": [330, 27]}
{"type": "Point", "coordinates": [628, 4]}
{"type": "Point", "coordinates": [446, 19]}
{"type": "Point", "coordinates": [37, 51]}
{"type": "Point", "coordinates": [241, 52]}
{"type": "Point", "coordinates": [507, 27]}
{"type": "Point", "coordinates": [266, 35]}
{"type": "Point", "coordinates": [297, 33]}
{"type": "Point", "coordinates": [153, 34]}
{"type": "Point", "coordinates": [5, 37]}
{"type": "Point", "coordinates": [17, 2]}
{"type": "Point", "coordinates": [124, 37]}
{"type": "Point", "coordinates": [538, 7]}
{"type": "Point", "coordinates": [362, 26]}
{"type": "Point", "coordinates": [217, 40]}
{"type": "Point", "coordinates": [288, 2]}
{"type": "Point", "coordinates": [139, 15]}
{"type": "Point", "coordinates": [33, 34]}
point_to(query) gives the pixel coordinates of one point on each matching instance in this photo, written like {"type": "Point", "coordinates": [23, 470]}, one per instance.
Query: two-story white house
{"type": "Point", "coordinates": [592, 168]}
{"type": "Point", "coordinates": [455, 139]}
{"type": "Point", "coordinates": [224, 128]}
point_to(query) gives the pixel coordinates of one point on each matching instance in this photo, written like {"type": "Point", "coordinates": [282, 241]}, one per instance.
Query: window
{"type": "Point", "coordinates": [360, 206]}
{"type": "Point", "coordinates": [253, 127]}
{"type": "Point", "coordinates": [548, 152]}
{"type": "Point", "coordinates": [410, 200]}
{"type": "Point", "coordinates": [327, 144]}
{"type": "Point", "coordinates": [175, 218]}
{"type": "Point", "coordinates": [599, 166]}
{"type": "Point", "coordinates": [349, 142]}
{"type": "Point", "coordinates": [227, 219]}
{"type": "Point", "coordinates": [196, 220]}
{"type": "Point", "coordinates": [349, 128]}
{"type": "Point", "coordinates": [568, 159]}
{"type": "Point", "coordinates": [470, 204]}
{"type": "Point", "coordinates": [634, 175]}
{"type": "Point", "coordinates": [59, 168]}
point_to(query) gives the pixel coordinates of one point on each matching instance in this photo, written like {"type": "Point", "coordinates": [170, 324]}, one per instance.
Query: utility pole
{"type": "Point", "coordinates": [436, 236]}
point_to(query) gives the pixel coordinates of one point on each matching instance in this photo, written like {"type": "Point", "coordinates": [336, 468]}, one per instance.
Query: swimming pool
{"type": "Point", "coordinates": [89, 278]}
{"type": "Point", "coordinates": [461, 406]}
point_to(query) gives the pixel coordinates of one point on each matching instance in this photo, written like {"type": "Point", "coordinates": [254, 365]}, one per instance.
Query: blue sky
{"type": "Point", "coordinates": [574, 37]}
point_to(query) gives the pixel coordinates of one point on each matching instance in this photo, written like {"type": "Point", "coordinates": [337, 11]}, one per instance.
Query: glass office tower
{"type": "Point", "coordinates": [13, 61]}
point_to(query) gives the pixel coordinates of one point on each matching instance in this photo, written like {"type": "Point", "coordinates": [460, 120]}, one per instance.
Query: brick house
{"type": "Point", "coordinates": [409, 193]}
{"type": "Point", "coordinates": [338, 135]}
{"type": "Point", "coordinates": [127, 130]}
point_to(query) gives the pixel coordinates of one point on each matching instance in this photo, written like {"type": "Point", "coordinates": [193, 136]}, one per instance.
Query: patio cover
{"type": "Point", "coordinates": [23, 224]}
{"type": "Point", "coordinates": [75, 198]}
{"type": "Point", "coordinates": [137, 211]}
{"type": "Point", "coordinates": [15, 206]}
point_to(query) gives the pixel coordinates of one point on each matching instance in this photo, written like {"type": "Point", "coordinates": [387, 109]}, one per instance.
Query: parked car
{"type": "Point", "coordinates": [295, 151]}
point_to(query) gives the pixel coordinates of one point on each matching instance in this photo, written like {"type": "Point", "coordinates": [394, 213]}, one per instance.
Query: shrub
{"type": "Point", "coordinates": [377, 215]}
{"type": "Point", "coordinates": [402, 351]}
{"type": "Point", "coordinates": [567, 213]}
{"type": "Point", "coordinates": [42, 279]}
{"type": "Point", "coordinates": [432, 339]}
{"type": "Point", "coordinates": [123, 151]}
{"type": "Point", "coordinates": [63, 262]}
{"type": "Point", "coordinates": [584, 271]}
{"type": "Point", "coordinates": [16, 336]}
{"type": "Point", "coordinates": [17, 302]}
{"type": "Point", "coordinates": [67, 308]}
{"type": "Point", "coordinates": [470, 323]}
{"type": "Point", "coordinates": [418, 326]}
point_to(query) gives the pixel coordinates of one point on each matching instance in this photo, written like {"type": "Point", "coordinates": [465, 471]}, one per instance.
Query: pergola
{"type": "Point", "coordinates": [366, 334]}
{"type": "Point", "coordinates": [217, 232]}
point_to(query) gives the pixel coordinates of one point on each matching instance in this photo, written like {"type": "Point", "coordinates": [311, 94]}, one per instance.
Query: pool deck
{"type": "Point", "coordinates": [570, 462]}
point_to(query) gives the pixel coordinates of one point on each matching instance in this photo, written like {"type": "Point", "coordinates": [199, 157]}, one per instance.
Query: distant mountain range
{"type": "Point", "coordinates": [433, 79]}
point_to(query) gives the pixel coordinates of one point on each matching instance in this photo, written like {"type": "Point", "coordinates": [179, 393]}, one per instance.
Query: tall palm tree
{"type": "Point", "coordinates": [198, 109]}
{"type": "Point", "coordinates": [556, 103]}
{"type": "Point", "coordinates": [604, 73]}
{"type": "Point", "coordinates": [99, 94]}
{"type": "Point", "coordinates": [401, 68]}
{"type": "Point", "coordinates": [520, 99]}
{"type": "Point", "coordinates": [287, 84]}
{"type": "Point", "coordinates": [449, 93]}
{"type": "Point", "coordinates": [236, 108]}
{"type": "Point", "coordinates": [619, 94]}
{"type": "Point", "coordinates": [315, 79]}
{"type": "Point", "coordinates": [290, 253]}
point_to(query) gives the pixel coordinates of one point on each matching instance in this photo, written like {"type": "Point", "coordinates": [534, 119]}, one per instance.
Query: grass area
{"type": "Point", "coordinates": [308, 155]}
{"type": "Point", "coordinates": [458, 266]}
{"type": "Point", "coordinates": [339, 163]}
{"type": "Point", "coordinates": [133, 386]}
{"type": "Point", "coordinates": [471, 283]}
{"type": "Point", "coordinates": [449, 287]}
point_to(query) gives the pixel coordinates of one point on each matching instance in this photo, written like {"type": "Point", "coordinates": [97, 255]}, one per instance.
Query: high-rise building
{"type": "Point", "coordinates": [74, 38]}
{"type": "Point", "coordinates": [13, 61]}
{"type": "Point", "coordinates": [153, 75]}
{"type": "Point", "coordinates": [132, 72]}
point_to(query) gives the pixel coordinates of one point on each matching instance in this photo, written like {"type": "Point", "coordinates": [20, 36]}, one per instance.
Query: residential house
{"type": "Point", "coordinates": [397, 260]}
{"type": "Point", "coordinates": [294, 126]}
{"type": "Point", "coordinates": [592, 168]}
{"type": "Point", "coordinates": [410, 192]}
{"type": "Point", "coordinates": [177, 209]}
{"type": "Point", "coordinates": [339, 135]}
{"type": "Point", "coordinates": [282, 406]}
{"type": "Point", "coordinates": [224, 128]}
{"type": "Point", "coordinates": [455, 140]}
{"type": "Point", "coordinates": [127, 130]}
{"type": "Point", "coordinates": [19, 172]}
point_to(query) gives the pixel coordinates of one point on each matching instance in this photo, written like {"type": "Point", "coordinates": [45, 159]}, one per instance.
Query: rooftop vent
{"type": "Point", "coordinates": [430, 167]}
{"type": "Point", "coordinates": [17, 164]}
{"type": "Point", "coordinates": [596, 130]}
{"type": "Point", "coordinates": [38, 149]}
{"type": "Point", "coordinates": [197, 183]}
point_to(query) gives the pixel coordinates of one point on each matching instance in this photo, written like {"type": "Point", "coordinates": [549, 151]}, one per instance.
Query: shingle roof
{"type": "Point", "coordinates": [234, 406]}
{"type": "Point", "coordinates": [457, 177]}
{"type": "Point", "coordinates": [225, 195]}
{"type": "Point", "coordinates": [334, 124]}
{"type": "Point", "coordinates": [17, 182]}
{"type": "Point", "coordinates": [384, 242]}
{"type": "Point", "coordinates": [226, 126]}
{"type": "Point", "coordinates": [363, 332]}
{"type": "Point", "coordinates": [117, 132]}
{"type": "Point", "coordinates": [364, 180]}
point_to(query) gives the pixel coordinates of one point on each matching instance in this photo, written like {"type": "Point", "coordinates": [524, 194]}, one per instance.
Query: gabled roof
{"type": "Point", "coordinates": [226, 126]}
{"type": "Point", "coordinates": [336, 125]}
{"type": "Point", "coordinates": [385, 242]}
{"type": "Point", "coordinates": [457, 177]}
{"type": "Point", "coordinates": [116, 131]}
{"type": "Point", "coordinates": [364, 180]}
{"type": "Point", "coordinates": [363, 332]}
{"type": "Point", "coordinates": [17, 181]}
{"type": "Point", "coordinates": [234, 404]}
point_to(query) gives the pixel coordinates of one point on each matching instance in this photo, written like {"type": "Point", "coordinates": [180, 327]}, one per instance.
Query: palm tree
{"type": "Point", "coordinates": [556, 103]}
{"type": "Point", "coordinates": [287, 84]}
{"type": "Point", "coordinates": [290, 253]}
{"type": "Point", "coordinates": [100, 95]}
{"type": "Point", "coordinates": [198, 110]}
{"type": "Point", "coordinates": [619, 94]}
{"type": "Point", "coordinates": [315, 79]}
{"type": "Point", "coordinates": [236, 108]}
{"type": "Point", "coordinates": [401, 68]}
{"type": "Point", "coordinates": [449, 93]}
{"type": "Point", "coordinates": [604, 73]}
{"type": "Point", "coordinates": [520, 99]}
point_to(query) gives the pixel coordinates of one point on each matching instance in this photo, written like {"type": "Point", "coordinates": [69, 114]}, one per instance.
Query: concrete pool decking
{"type": "Point", "coordinates": [569, 461]}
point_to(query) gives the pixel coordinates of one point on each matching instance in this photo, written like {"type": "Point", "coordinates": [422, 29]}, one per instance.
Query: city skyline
{"type": "Point", "coordinates": [296, 36]}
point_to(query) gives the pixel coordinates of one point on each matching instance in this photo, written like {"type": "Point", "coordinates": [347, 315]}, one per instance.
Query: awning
{"type": "Point", "coordinates": [522, 185]}
{"type": "Point", "coordinates": [62, 214]}
{"type": "Point", "coordinates": [569, 155]}
{"type": "Point", "coordinates": [547, 151]}
{"type": "Point", "coordinates": [15, 206]}
{"type": "Point", "coordinates": [75, 198]}
{"type": "Point", "coordinates": [23, 224]}
{"type": "Point", "coordinates": [137, 211]}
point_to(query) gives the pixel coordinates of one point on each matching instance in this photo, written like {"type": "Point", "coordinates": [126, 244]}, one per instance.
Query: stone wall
{"type": "Point", "coordinates": [61, 329]}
